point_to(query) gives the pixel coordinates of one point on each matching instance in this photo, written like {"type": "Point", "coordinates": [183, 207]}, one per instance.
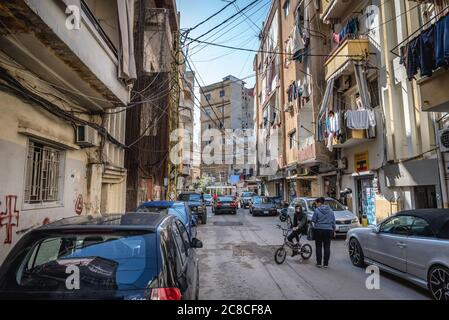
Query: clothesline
{"type": "Point", "coordinates": [416, 31]}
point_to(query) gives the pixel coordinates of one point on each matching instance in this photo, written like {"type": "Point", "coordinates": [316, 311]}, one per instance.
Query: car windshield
{"type": "Point", "coordinates": [105, 262]}
{"type": "Point", "coordinates": [247, 194]}
{"type": "Point", "coordinates": [261, 200]}
{"type": "Point", "coordinates": [225, 199]}
{"type": "Point", "coordinates": [333, 204]}
{"type": "Point", "coordinates": [189, 197]}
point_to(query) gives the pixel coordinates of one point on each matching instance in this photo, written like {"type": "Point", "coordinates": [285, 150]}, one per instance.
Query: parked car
{"type": "Point", "coordinates": [262, 206]}
{"type": "Point", "coordinates": [345, 219]}
{"type": "Point", "coordinates": [226, 204]}
{"type": "Point", "coordinates": [278, 202]}
{"type": "Point", "coordinates": [208, 200]}
{"type": "Point", "coordinates": [134, 256]}
{"type": "Point", "coordinates": [176, 208]}
{"type": "Point", "coordinates": [245, 199]}
{"type": "Point", "coordinates": [196, 203]}
{"type": "Point", "coordinates": [413, 245]}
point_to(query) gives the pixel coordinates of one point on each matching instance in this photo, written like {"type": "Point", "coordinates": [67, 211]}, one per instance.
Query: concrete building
{"type": "Point", "coordinates": [227, 105]}
{"type": "Point", "coordinates": [387, 164]}
{"type": "Point", "coordinates": [156, 96]}
{"type": "Point", "coordinates": [64, 81]}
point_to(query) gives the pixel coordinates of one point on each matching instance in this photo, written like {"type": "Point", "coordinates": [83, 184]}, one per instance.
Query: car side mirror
{"type": "Point", "coordinates": [196, 243]}
{"type": "Point", "coordinates": [375, 230]}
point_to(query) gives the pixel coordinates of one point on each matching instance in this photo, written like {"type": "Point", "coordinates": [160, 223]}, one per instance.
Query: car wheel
{"type": "Point", "coordinates": [356, 253]}
{"type": "Point", "coordinates": [438, 282]}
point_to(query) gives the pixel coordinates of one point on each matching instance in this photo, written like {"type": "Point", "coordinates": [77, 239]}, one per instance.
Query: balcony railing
{"type": "Point", "coordinates": [349, 49]}
{"type": "Point", "coordinates": [353, 138]}
{"type": "Point", "coordinates": [434, 93]}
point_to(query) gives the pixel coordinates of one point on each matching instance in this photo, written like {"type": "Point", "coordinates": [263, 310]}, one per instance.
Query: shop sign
{"type": "Point", "coordinates": [361, 162]}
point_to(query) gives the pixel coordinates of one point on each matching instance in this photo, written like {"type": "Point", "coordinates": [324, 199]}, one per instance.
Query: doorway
{"type": "Point", "coordinates": [366, 205]}
{"type": "Point", "coordinates": [425, 197]}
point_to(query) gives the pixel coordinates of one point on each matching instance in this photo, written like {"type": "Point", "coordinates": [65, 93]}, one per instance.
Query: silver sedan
{"type": "Point", "coordinates": [413, 245]}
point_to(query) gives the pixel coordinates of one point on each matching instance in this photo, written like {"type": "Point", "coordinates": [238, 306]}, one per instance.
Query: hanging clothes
{"type": "Point", "coordinates": [294, 90]}
{"type": "Point", "coordinates": [442, 42]}
{"type": "Point", "coordinates": [357, 120]}
{"type": "Point", "coordinates": [427, 52]}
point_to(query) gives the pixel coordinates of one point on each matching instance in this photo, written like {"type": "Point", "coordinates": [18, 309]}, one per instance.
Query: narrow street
{"type": "Point", "coordinates": [237, 263]}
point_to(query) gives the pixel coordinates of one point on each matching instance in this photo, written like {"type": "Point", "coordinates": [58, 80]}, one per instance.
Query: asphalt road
{"type": "Point", "coordinates": [237, 262]}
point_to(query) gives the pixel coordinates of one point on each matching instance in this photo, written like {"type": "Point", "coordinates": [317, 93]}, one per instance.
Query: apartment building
{"type": "Point", "coordinates": [64, 82]}
{"type": "Point", "coordinates": [226, 105]}
{"type": "Point", "coordinates": [348, 121]}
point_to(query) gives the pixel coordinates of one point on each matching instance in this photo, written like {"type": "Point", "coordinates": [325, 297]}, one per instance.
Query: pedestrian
{"type": "Point", "coordinates": [323, 222]}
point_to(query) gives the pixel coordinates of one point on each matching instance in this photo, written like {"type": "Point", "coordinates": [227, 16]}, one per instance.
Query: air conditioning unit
{"type": "Point", "coordinates": [86, 136]}
{"type": "Point", "coordinates": [444, 140]}
{"type": "Point", "coordinates": [345, 83]}
{"type": "Point", "coordinates": [303, 171]}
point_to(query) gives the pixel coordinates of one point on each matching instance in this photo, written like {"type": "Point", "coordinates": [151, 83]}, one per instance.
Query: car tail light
{"type": "Point", "coordinates": [218, 204]}
{"type": "Point", "coordinates": [165, 294]}
{"type": "Point", "coordinates": [234, 204]}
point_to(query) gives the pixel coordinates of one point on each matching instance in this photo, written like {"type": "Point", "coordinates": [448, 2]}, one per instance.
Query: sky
{"type": "Point", "coordinates": [214, 63]}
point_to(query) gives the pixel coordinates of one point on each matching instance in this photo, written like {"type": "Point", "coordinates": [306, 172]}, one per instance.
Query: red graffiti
{"type": "Point", "coordinates": [9, 215]}
{"type": "Point", "coordinates": [79, 205]}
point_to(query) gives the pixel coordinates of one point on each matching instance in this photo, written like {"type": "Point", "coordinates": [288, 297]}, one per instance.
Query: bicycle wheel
{"type": "Point", "coordinates": [306, 251]}
{"type": "Point", "coordinates": [280, 255]}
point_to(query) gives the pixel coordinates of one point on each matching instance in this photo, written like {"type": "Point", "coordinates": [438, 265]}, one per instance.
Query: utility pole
{"type": "Point", "coordinates": [173, 122]}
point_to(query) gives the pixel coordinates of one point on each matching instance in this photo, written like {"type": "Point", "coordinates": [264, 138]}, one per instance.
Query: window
{"type": "Point", "coordinates": [43, 178]}
{"type": "Point", "coordinates": [222, 93]}
{"type": "Point", "coordinates": [208, 97]}
{"type": "Point", "coordinates": [221, 109]}
{"type": "Point", "coordinates": [286, 8]}
{"type": "Point", "coordinates": [181, 249]}
{"type": "Point", "coordinates": [399, 225]}
{"type": "Point", "coordinates": [208, 111]}
{"type": "Point", "coordinates": [184, 235]}
{"type": "Point", "coordinates": [421, 228]}
{"type": "Point", "coordinates": [291, 137]}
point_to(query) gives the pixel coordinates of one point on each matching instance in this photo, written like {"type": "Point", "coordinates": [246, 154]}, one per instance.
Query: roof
{"type": "Point", "coordinates": [127, 221]}
{"type": "Point", "coordinates": [438, 219]}
{"type": "Point", "coordinates": [164, 204]}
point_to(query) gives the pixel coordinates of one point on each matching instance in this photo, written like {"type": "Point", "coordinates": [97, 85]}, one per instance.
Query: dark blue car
{"type": "Point", "coordinates": [177, 208]}
{"type": "Point", "coordinates": [133, 256]}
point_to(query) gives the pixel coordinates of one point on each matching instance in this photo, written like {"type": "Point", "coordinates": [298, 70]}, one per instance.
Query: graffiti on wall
{"type": "Point", "coordinates": [79, 204]}
{"type": "Point", "coordinates": [10, 217]}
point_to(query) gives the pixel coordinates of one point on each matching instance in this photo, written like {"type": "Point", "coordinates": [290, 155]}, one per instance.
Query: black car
{"type": "Point", "coordinates": [226, 204]}
{"type": "Point", "coordinates": [196, 204]}
{"type": "Point", "coordinates": [262, 206]}
{"type": "Point", "coordinates": [134, 256]}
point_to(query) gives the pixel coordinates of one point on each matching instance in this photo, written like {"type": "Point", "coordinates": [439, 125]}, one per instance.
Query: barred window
{"type": "Point", "coordinates": [43, 179]}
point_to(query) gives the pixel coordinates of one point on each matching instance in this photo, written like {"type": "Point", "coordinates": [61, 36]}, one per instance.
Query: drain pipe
{"type": "Point", "coordinates": [441, 169]}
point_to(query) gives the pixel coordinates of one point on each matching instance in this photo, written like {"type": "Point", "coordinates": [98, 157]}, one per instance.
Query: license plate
{"type": "Point", "coordinates": [345, 228]}
{"type": "Point", "coordinates": [266, 212]}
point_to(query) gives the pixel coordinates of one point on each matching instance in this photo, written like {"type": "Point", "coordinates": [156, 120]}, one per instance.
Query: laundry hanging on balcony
{"type": "Point", "coordinates": [301, 35]}
{"type": "Point", "coordinates": [428, 51]}
{"type": "Point", "coordinates": [127, 64]}
{"type": "Point", "coordinates": [351, 29]}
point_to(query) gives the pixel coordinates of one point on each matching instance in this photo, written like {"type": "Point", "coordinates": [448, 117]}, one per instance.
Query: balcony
{"type": "Point", "coordinates": [353, 138]}
{"type": "Point", "coordinates": [82, 62]}
{"type": "Point", "coordinates": [434, 93]}
{"type": "Point", "coordinates": [349, 50]}
{"type": "Point", "coordinates": [334, 9]}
